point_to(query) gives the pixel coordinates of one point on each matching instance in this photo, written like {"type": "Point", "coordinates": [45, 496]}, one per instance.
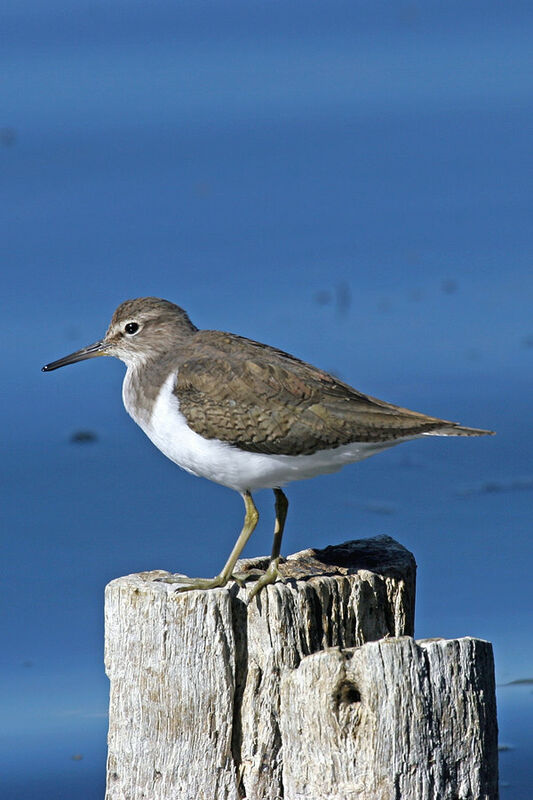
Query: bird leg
{"type": "Point", "coordinates": [250, 521]}
{"type": "Point", "coordinates": [272, 572]}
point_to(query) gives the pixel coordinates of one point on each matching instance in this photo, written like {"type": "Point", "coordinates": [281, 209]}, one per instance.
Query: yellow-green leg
{"type": "Point", "coordinates": [250, 521]}
{"type": "Point", "coordinates": [272, 573]}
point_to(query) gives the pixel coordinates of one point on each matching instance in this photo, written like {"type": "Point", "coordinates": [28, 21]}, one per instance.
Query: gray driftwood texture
{"type": "Point", "coordinates": [392, 719]}
{"type": "Point", "coordinates": [214, 699]}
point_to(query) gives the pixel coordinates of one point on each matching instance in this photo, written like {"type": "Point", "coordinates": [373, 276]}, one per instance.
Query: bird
{"type": "Point", "coordinates": [244, 414]}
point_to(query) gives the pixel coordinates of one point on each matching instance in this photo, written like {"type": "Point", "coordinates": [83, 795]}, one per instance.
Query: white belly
{"type": "Point", "coordinates": [225, 464]}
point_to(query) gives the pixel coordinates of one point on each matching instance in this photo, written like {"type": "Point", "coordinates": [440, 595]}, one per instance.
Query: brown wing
{"type": "Point", "coordinates": [263, 400]}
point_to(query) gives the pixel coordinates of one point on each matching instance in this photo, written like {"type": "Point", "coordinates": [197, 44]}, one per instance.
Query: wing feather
{"type": "Point", "coordinates": [264, 400]}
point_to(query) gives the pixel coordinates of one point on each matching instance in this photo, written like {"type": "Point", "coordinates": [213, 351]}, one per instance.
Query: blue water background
{"type": "Point", "coordinates": [350, 182]}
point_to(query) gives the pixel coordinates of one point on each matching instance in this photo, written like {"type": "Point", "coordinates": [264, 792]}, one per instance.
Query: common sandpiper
{"type": "Point", "coordinates": [244, 414]}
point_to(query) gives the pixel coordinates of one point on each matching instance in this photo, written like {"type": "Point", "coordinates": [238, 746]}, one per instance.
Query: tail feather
{"type": "Point", "coordinates": [454, 429]}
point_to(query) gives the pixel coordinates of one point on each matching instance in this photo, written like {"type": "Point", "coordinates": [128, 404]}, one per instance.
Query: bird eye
{"type": "Point", "coordinates": [131, 328]}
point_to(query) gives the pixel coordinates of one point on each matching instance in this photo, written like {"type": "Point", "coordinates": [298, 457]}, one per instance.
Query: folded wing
{"type": "Point", "coordinates": [263, 400]}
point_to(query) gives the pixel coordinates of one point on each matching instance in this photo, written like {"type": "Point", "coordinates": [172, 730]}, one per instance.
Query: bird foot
{"type": "Point", "coordinates": [186, 584]}
{"type": "Point", "coordinates": [271, 575]}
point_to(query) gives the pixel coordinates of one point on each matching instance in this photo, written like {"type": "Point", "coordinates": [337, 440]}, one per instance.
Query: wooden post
{"type": "Point", "coordinates": [313, 690]}
{"type": "Point", "coordinates": [392, 719]}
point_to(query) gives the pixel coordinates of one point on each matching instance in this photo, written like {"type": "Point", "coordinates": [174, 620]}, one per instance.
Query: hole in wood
{"type": "Point", "coordinates": [348, 707]}
{"type": "Point", "coordinates": [348, 694]}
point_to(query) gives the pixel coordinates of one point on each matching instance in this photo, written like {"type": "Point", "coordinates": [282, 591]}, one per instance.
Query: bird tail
{"type": "Point", "coordinates": [454, 429]}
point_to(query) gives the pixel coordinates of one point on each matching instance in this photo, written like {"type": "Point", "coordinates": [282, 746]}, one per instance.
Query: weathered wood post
{"type": "Point", "coordinates": [315, 690]}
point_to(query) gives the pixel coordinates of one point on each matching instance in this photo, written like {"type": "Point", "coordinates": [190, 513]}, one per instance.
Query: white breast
{"type": "Point", "coordinates": [225, 464]}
